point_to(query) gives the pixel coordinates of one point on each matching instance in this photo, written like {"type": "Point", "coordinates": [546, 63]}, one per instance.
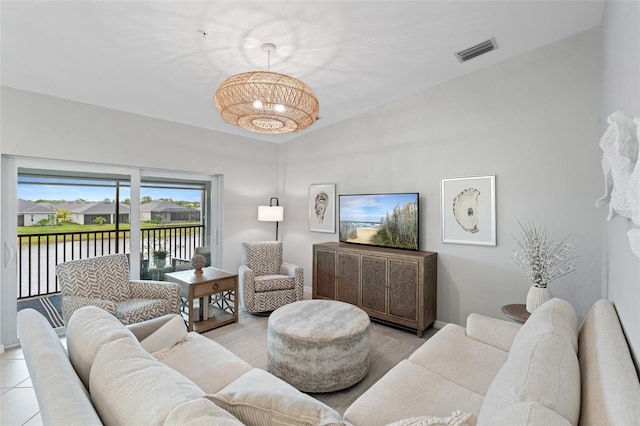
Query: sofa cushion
{"type": "Point", "coordinates": [410, 390]}
{"type": "Point", "coordinates": [89, 328]}
{"type": "Point", "coordinates": [258, 397]}
{"type": "Point", "coordinates": [527, 414]}
{"type": "Point", "coordinates": [455, 419]}
{"type": "Point", "coordinates": [546, 371]}
{"type": "Point", "coordinates": [557, 317]}
{"type": "Point", "coordinates": [198, 412]}
{"type": "Point", "coordinates": [129, 386]}
{"type": "Point", "coordinates": [273, 282]}
{"type": "Point", "coordinates": [466, 362]}
{"type": "Point", "coordinates": [172, 332]}
{"type": "Point", "coordinates": [207, 363]}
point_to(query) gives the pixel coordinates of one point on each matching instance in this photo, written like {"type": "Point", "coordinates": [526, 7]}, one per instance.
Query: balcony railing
{"type": "Point", "coordinates": [39, 254]}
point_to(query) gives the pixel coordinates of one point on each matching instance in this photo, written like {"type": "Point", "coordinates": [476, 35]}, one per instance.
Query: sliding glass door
{"type": "Point", "coordinates": [55, 211]}
{"type": "Point", "coordinates": [63, 217]}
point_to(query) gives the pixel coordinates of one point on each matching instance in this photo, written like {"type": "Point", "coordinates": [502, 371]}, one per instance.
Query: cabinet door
{"type": "Point", "coordinates": [374, 283]}
{"type": "Point", "coordinates": [348, 278]}
{"type": "Point", "coordinates": [325, 274]}
{"type": "Point", "coordinates": [403, 289]}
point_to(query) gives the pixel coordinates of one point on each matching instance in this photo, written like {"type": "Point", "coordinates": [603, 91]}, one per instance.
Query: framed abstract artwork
{"type": "Point", "coordinates": [322, 208]}
{"type": "Point", "coordinates": [468, 210]}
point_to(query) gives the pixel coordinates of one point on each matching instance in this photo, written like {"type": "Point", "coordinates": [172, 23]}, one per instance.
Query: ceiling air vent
{"type": "Point", "coordinates": [477, 50]}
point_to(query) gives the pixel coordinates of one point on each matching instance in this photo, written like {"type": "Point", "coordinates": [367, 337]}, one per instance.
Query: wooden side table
{"type": "Point", "coordinates": [516, 312]}
{"type": "Point", "coordinates": [212, 282]}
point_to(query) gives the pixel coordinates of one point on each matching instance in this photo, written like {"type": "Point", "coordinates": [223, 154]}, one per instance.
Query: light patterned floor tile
{"type": "Point", "coordinates": [23, 405]}
{"type": "Point", "coordinates": [12, 372]}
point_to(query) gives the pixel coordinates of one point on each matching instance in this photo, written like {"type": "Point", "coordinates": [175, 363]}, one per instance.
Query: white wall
{"type": "Point", "coordinates": [40, 126]}
{"type": "Point", "coordinates": [533, 121]}
{"type": "Point", "coordinates": [621, 92]}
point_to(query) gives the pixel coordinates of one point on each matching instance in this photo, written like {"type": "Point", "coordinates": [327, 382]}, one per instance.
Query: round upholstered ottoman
{"type": "Point", "coordinates": [318, 345]}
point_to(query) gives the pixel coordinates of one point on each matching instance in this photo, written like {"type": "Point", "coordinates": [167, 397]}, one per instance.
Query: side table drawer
{"type": "Point", "coordinates": [206, 289]}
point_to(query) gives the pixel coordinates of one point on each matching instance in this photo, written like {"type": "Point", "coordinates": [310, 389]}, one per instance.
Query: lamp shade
{"type": "Point", "coordinates": [266, 102]}
{"type": "Point", "coordinates": [270, 213]}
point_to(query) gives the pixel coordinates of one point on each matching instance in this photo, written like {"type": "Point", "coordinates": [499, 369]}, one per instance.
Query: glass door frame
{"type": "Point", "coordinates": [10, 166]}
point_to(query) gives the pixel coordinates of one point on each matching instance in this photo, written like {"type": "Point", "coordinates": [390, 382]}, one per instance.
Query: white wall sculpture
{"type": "Point", "coordinates": [633, 199]}
{"type": "Point", "coordinates": [621, 170]}
{"type": "Point", "coordinates": [633, 187]}
{"type": "Point", "coordinates": [619, 146]}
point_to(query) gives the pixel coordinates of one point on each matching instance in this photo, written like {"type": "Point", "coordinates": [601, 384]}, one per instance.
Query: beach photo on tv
{"type": "Point", "coordinates": [387, 220]}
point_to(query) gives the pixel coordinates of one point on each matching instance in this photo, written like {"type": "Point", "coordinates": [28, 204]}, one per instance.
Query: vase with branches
{"type": "Point", "coordinates": [543, 260]}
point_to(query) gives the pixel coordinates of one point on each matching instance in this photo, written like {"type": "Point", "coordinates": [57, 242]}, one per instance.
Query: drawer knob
{"type": "Point", "coordinates": [216, 286]}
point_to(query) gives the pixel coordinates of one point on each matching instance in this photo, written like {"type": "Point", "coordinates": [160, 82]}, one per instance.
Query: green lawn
{"type": "Point", "coordinates": [74, 227]}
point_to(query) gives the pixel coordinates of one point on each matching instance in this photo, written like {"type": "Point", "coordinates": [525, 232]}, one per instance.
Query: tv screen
{"type": "Point", "coordinates": [386, 220]}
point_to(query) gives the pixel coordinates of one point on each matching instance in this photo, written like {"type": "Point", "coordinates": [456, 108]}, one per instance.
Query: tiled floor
{"type": "Point", "coordinates": [18, 405]}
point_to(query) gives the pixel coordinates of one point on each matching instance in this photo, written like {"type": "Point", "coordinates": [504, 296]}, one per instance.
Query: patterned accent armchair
{"type": "Point", "coordinates": [104, 282]}
{"type": "Point", "coordinates": [265, 281]}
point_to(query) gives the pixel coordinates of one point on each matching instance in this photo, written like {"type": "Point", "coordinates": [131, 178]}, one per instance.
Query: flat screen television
{"type": "Point", "coordinates": [385, 220]}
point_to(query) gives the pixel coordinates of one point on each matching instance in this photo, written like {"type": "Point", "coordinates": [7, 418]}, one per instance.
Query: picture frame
{"type": "Point", "coordinates": [322, 208]}
{"type": "Point", "coordinates": [468, 210]}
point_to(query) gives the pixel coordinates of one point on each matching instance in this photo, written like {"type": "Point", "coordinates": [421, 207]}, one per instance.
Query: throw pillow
{"type": "Point", "coordinates": [166, 336]}
{"type": "Point", "coordinates": [456, 419]}
{"type": "Point", "coordinates": [198, 412]}
{"type": "Point", "coordinates": [256, 407]}
{"type": "Point", "coordinates": [90, 328]}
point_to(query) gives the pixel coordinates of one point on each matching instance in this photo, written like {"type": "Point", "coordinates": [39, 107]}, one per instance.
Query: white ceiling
{"type": "Point", "coordinates": [150, 58]}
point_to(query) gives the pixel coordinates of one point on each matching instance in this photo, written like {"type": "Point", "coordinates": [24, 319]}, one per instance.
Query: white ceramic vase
{"type": "Point", "coordinates": [536, 297]}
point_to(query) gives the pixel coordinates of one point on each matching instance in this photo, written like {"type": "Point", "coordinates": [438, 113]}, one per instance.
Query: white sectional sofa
{"type": "Point", "coordinates": [493, 372]}
{"type": "Point", "coordinates": [152, 373]}
{"type": "Point", "coordinates": [545, 372]}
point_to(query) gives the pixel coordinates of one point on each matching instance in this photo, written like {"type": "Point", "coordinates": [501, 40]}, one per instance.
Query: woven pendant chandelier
{"type": "Point", "coordinates": [266, 102]}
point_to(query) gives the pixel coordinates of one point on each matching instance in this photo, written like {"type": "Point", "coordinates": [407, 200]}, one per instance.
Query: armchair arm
{"type": "Point", "coordinates": [296, 272]}
{"type": "Point", "coordinates": [290, 269]}
{"type": "Point", "coordinates": [246, 279]}
{"type": "Point", "coordinates": [492, 331]}
{"type": "Point", "coordinates": [157, 290]}
{"type": "Point", "coordinates": [247, 285]}
{"type": "Point", "coordinates": [73, 303]}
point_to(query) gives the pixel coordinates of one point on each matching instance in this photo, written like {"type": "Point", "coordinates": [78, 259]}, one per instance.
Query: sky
{"type": "Point", "coordinates": [371, 208]}
{"type": "Point", "coordinates": [47, 190]}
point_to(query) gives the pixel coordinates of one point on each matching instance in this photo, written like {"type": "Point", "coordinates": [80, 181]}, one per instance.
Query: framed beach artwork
{"type": "Point", "coordinates": [468, 210]}
{"type": "Point", "coordinates": [322, 208]}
